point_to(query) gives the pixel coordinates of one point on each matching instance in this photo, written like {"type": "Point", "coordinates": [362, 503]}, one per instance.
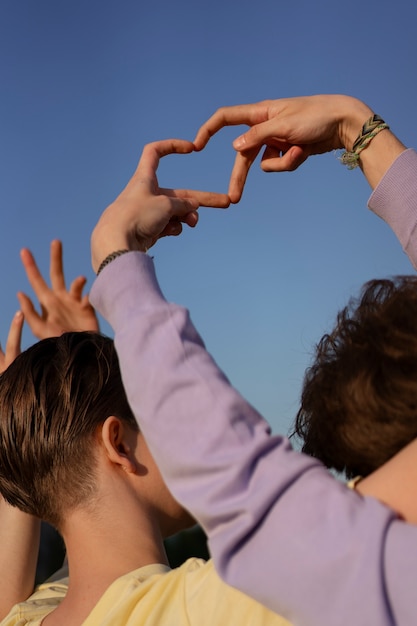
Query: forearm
{"type": "Point", "coordinates": [383, 149]}
{"type": "Point", "coordinates": [378, 157]}
{"type": "Point", "coordinates": [391, 170]}
{"type": "Point", "coordinates": [19, 541]}
{"type": "Point", "coordinates": [395, 201]}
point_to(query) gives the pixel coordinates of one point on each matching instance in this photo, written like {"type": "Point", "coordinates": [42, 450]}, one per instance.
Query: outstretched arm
{"type": "Point", "coordinates": [19, 532]}
{"type": "Point", "coordinates": [61, 309]}
{"type": "Point", "coordinates": [280, 527]}
{"type": "Point", "coordinates": [292, 129]}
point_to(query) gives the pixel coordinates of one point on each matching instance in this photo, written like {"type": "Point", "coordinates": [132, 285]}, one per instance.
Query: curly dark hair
{"type": "Point", "coordinates": [359, 398]}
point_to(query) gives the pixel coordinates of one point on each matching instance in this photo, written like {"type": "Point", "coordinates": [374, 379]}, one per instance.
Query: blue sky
{"type": "Point", "coordinates": [86, 83]}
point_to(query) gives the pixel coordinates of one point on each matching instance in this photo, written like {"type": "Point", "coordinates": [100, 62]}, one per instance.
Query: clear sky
{"type": "Point", "coordinates": [86, 83]}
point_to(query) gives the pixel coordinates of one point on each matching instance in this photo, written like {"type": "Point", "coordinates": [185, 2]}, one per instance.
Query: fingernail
{"type": "Point", "coordinates": [239, 142]}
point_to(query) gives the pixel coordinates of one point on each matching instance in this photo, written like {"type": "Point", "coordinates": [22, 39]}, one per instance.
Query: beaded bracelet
{"type": "Point", "coordinates": [109, 258]}
{"type": "Point", "coordinates": [370, 129]}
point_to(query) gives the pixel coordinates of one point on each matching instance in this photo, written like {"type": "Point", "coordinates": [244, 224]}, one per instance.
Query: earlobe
{"type": "Point", "coordinates": [114, 437]}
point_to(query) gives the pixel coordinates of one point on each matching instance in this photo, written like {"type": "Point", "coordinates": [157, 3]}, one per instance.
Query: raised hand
{"type": "Point", "coordinates": [291, 129]}
{"type": "Point", "coordinates": [62, 310]}
{"type": "Point", "coordinates": [144, 212]}
{"type": "Point", "coordinates": [14, 337]}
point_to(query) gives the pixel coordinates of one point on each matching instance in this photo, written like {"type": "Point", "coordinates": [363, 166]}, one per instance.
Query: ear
{"type": "Point", "coordinates": [117, 441]}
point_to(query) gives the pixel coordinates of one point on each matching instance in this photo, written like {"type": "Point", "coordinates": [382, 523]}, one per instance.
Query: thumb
{"type": "Point", "coordinates": [257, 135]}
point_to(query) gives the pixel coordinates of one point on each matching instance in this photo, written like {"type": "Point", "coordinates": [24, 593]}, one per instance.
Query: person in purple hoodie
{"type": "Point", "coordinates": [280, 527]}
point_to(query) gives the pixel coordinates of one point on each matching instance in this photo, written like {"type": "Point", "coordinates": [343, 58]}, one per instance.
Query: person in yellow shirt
{"type": "Point", "coordinates": [30, 550]}
{"type": "Point", "coordinates": [72, 454]}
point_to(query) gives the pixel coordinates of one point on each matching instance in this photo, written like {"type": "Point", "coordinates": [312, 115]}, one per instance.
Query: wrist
{"type": "Point", "coordinates": [107, 241]}
{"type": "Point", "coordinates": [111, 257]}
{"type": "Point", "coordinates": [353, 114]}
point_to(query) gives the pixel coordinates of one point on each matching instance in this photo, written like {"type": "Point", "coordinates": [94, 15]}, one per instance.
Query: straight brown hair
{"type": "Point", "coordinates": [52, 399]}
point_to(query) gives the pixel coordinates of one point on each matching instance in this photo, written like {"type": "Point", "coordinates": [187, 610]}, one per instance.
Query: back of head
{"type": "Point", "coordinates": [359, 399]}
{"type": "Point", "coordinates": [52, 399]}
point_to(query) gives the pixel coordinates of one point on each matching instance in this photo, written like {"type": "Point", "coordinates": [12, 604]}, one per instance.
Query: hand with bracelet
{"type": "Point", "coordinates": [292, 129]}
{"type": "Point", "coordinates": [144, 211]}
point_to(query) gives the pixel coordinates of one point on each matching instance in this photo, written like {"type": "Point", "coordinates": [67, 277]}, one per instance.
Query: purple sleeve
{"type": "Point", "coordinates": [280, 527]}
{"type": "Point", "coordinates": [395, 201]}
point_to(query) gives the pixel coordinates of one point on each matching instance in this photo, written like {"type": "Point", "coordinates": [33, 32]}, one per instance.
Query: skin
{"type": "Point", "coordinates": [289, 130]}
{"type": "Point", "coordinates": [394, 483]}
{"type": "Point", "coordinates": [62, 309]}
{"type": "Point", "coordinates": [167, 209]}
{"type": "Point", "coordinates": [123, 528]}
{"type": "Point", "coordinates": [292, 129]}
{"type": "Point", "coordinates": [13, 341]}
{"type": "Point", "coordinates": [19, 532]}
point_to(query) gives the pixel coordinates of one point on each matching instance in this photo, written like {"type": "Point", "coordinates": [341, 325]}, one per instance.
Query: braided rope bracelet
{"type": "Point", "coordinates": [370, 129]}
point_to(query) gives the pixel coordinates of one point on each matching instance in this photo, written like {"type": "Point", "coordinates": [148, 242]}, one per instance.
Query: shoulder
{"type": "Point", "coordinates": [209, 598]}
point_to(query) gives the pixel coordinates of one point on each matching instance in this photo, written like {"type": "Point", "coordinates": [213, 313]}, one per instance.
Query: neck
{"type": "Point", "coordinates": [113, 548]}
{"type": "Point", "coordinates": [101, 547]}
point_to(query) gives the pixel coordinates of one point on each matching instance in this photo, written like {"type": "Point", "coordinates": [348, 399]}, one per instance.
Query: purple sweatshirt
{"type": "Point", "coordinates": [280, 528]}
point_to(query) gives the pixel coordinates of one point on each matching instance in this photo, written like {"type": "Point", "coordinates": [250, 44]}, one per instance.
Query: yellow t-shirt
{"type": "Point", "coordinates": [191, 594]}
{"type": "Point", "coordinates": [45, 599]}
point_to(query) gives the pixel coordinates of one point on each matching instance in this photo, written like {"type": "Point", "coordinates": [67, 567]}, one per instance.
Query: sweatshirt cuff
{"type": "Point", "coordinates": [125, 287]}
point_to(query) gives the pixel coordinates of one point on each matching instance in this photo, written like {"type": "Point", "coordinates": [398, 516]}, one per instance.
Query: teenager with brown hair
{"type": "Point", "coordinates": [359, 398]}
{"type": "Point", "coordinates": [72, 454]}
{"type": "Point", "coordinates": [31, 550]}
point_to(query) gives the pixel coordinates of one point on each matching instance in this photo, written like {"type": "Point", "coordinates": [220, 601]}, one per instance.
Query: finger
{"type": "Point", "coordinates": [241, 167]}
{"type": "Point", "coordinates": [33, 274]}
{"type": "Point", "coordinates": [262, 133]}
{"type": "Point", "coordinates": [180, 208]}
{"type": "Point", "coordinates": [173, 228]}
{"type": "Point", "coordinates": [191, 219]}
{"type": "Point", "coordinates": [14, 338]}
{"type": "Point", "coordinates": [33, 318]}
{"type": "Point", "coordinates": [273, 161]}
{"type": "Point", "coordinates": [77, 286]}
{"type": "Point", "coordinates": [56, 268]}
{"type": "Point", "coordinates": [153, 152]}
{"type": "Point", "coordinates": [85, 301]}
{"type": "Point", "coordinates": [201, 198]}
{"type": "Point", "coordinates": [230, 116]}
